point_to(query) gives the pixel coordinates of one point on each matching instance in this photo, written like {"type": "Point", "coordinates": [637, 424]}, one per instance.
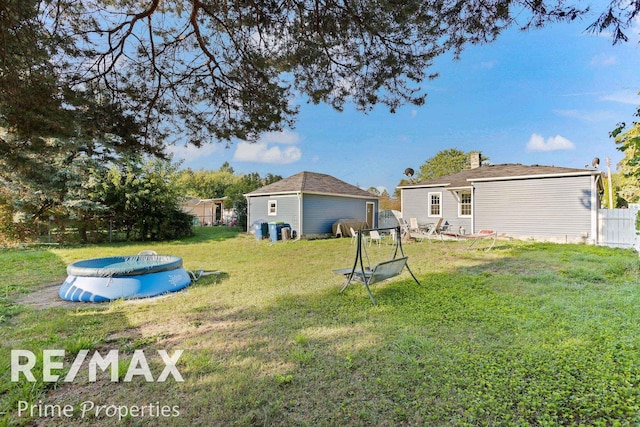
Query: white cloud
{"type": "Point", "coordinates": [487, 65]}
{"type": "Point", "coordinates": [284, 137]}
{"type": "Point", "coordinates": [537, 143]}
{"type": "Point", "coordinates": [260, 152]}
{"type": "Point", "coordinates": [266, 150]}
{"type": "Point", "coordinates": [586, 116]}
{"type": "Point", "coordinates": [190, 152]}
{"type": "Point", "coordinates": [604, 60]}
{"type": "Point", "coordinates": [624, 97]}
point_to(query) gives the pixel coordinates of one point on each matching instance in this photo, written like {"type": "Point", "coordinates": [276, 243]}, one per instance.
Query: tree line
{"type": "Point", "coordinates": [92, 92]}
{"type": "Point", "coordinates": [133, 198]}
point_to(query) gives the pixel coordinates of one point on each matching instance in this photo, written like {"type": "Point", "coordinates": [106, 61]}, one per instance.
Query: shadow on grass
{"type": "Point", "coordinates": [455, 350]}
{"type": "Point", "coordinates": [212, 234]}
{"type": "Point", "coordinates": [96, 328]}
{"type": "Point", "coordinates": [37, 325]}
{"type": "Point", "coordinates": [201, 235]}
{"type": "Point", "coordinates": [329, 358]}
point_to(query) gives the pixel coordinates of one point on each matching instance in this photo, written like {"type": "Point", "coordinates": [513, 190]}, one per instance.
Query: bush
{"type": "Point", "coordinates": [175, 225]}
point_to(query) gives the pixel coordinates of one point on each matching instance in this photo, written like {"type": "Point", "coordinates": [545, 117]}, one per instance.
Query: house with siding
{"type": "Point", "coordinates": [311, 202]}
{"type": "Point", "coordinates": [208, 211]}
{"type": "Point", "coordinates": [542, 203]}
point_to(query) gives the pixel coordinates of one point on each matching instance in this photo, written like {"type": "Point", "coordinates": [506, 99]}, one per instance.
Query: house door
{"type": "Point", "coordinates": [218, 216]}
{"type": "Point", "coordinates": [370, 212]}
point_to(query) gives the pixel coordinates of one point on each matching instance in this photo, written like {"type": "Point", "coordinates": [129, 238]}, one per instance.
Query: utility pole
{"type": "Point", "coordinates": [610, 186]}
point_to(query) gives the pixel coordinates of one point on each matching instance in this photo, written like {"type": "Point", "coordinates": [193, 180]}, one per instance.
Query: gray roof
{"type": "Point", "coordinates": [315, 183]}
{"type": "Point", "coordinates": [499, 172]}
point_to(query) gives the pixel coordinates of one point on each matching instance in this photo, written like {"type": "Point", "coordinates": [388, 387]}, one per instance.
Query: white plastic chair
{"type": "Point", "coordinates": [354, 236]}
{"type": "Point", "coordinates": [374, 236]}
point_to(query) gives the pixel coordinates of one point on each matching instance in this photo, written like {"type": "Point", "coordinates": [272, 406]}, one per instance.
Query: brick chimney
{"type": "Point", "coordinates": [475, 158]}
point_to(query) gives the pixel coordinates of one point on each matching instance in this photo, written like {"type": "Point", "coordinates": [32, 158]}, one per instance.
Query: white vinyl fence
{"type": "Point", "coordinates": [617, 228]}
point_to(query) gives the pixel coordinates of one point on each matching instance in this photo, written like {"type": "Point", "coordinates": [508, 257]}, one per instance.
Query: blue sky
{"type": "Point", "coordinates": [549, 96]}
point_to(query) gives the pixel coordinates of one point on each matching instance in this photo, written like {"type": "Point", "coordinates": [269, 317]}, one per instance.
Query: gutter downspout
{"type": "Point", "coordinates": [473, 210]}
{"type": "Point", "coordinates": [248, 212]}
{"type": "Point", "coordinates": [594, 210]}
{"type": "Point", "coordinates": [300, 221]}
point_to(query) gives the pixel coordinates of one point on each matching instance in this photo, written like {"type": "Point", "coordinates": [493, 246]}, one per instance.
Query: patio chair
{"type": "Point", "coordinates": [405, 229]}
{"type": "Point", "coordinates": [393, 235]}
{"type": "Point", "coordinates": [437, 229]}
{"type": "Point", "coordinates": [475, 237]}
{"type": "Point", "coordinates": [354, 236]}
{"type": "Point", "coordinates": [433, 231]}
{"type": "Point", "coordinates": [415, 231]}
{"type": "Point", "coordinates": [374, 236]}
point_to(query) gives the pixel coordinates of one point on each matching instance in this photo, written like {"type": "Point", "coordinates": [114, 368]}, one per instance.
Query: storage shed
{"type": "Point", "coordinates": [310, 203]}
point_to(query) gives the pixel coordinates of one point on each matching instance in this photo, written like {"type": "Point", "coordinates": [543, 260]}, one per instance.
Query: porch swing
{"type": "Point", "coordinates": [381, 271]}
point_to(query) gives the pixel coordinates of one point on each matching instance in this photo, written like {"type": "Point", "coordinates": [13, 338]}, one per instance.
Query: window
{"type": "Point", "coordinates": [435, 204]}
{"type": "Point", "coordinates": [272, 208]}
{"type": "Point", "coordinates": [464, 206]}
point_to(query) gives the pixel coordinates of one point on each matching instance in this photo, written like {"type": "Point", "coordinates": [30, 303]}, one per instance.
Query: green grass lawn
{"type": "Point", "coordinates": [525, 334]}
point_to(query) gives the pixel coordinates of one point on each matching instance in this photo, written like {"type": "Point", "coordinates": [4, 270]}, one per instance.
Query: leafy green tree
{"type": "Point", "coordinates": [53, 131]}
{"type": "Point", "coordinates": [246, 183]}
{"type": "Point", "coordinates": [206, 184]}
{"type": "Point", "coordinates": [628, 141]}
{"type": "Point", "coordinates": [245, 61]}
{"type": "Point", "coordinates": [143, 199]}
{"type": "Point", "coordinates": [445, 162]}
{"type": "Point", "coordinates": [270, 179]}
{"type": "Point", "coordinates": [108, 77]}
{"type": "Point", "coordinates": [388, 203]}
{"type": "Point", "coordinates": [223, 183]}
{"type": "Point", "coordinates": [226, 167]}
{"type": "Point", "coordinates": [621, 185]}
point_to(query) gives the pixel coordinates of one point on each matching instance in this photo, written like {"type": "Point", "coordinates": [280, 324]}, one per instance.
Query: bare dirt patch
{"type": "Point", "coordinates": [45, 296]}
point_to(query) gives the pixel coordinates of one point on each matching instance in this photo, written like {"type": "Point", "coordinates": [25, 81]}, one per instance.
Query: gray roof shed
{"type": "Point", "coordinates": [312, 183]}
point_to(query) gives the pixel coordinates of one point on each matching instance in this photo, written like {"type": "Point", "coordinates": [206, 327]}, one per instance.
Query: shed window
{"type": "Point", "coordinates": [272, 207]}
{"type": "Point", "coordinates": [465, 204]}
{"type": "Point", "coordinates": [435, 204]}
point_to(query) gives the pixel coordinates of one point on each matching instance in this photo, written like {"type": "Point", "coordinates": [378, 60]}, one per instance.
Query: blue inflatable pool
{"type": "Point", "coordinates": [126, 277]}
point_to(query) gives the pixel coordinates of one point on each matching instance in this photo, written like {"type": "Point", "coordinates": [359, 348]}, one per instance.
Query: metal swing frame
{"type": "Point", "coordinates": [382, 271]}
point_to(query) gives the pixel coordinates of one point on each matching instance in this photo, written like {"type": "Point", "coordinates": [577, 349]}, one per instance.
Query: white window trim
{"type": "Point", "coordinates": [459, 197]}
{"type": "Point", "coordinates": [275, 206]}
{"type": "Point", "coordinates": [373, 212]}
{"type": "Point", "coordinates": [439, 194]}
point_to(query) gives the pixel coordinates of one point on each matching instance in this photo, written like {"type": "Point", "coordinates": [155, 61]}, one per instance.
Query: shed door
{"type": "Point", "coordinates": [369, 219]}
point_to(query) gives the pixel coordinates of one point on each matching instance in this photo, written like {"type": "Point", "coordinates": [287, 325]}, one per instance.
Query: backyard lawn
{"type": "Point", "coordinates": [524, 334]}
